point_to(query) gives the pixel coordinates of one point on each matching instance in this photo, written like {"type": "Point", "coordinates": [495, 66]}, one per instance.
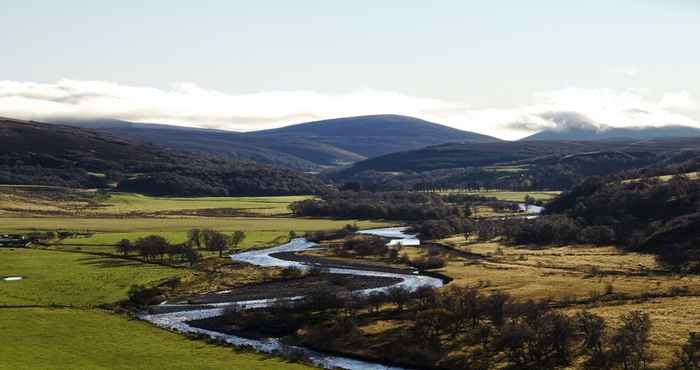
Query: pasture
{"type": "Point", "coordinates": [72, 279]}
{"type": "Point", "coordinates": [106, 232]}
{"type": "Point", "coordinates": [96, 339]}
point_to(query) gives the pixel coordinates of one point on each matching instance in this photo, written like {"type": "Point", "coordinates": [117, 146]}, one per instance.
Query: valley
{"type": "Point", "coordinates": [466, 254]}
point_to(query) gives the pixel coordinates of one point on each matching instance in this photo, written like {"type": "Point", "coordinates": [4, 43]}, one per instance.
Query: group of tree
{"type": "Point", "coordinates": [213, 240]}
{"type": "Point", "coordinates": [488, 331]}
{"type": "Point", "coordinates": [648, 215]}
{"type": "Point", "coordinates": [155, 247]}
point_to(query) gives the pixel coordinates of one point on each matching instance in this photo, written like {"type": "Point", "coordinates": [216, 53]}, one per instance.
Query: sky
{"type": "Point", "coordinates": [506, 68]}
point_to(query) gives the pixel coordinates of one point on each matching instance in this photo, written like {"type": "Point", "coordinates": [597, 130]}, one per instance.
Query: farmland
{"type": "Point", "coordinates": [96, 339]}
{"type": "Point", "coordinates": [72, 279]}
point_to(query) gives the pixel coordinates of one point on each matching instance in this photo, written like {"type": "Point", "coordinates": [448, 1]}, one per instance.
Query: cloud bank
{"type": "Point", "coordinates": [190, 105]}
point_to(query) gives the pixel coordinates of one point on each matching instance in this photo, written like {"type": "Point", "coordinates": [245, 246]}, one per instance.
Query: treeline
{"type": "Point", "coordinates": [647, 215]}
{"type": "Point", "coordinates": [367, 205]}
{"type": "Point", "coordinates": [487, 331]}
{"type": "Point", "coordinates": [223, 178]}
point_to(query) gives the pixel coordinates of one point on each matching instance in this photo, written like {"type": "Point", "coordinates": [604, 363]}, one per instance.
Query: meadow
{"type": "Point", "coordinates": [72, 279]}
{"type": "Point", "coordinates": [56, 338]}
{"type": "Point", "coordinates": [49, 320]}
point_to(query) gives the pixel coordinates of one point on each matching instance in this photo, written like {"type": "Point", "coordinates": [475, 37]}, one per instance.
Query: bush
{"type": "Point", "coordinates": [598, 235]}
{"type": "Point", "coordinates": [429, 263]}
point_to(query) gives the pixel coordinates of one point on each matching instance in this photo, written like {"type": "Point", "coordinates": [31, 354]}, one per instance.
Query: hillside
{"type": "Point", "coordinates": [50, 154]}
{"type": "Point", "coordinates": [616, 133]}
{"type": "Point", "coordinates": [306, 146]}
{"type": "Point", "coordinates": [519, 165]}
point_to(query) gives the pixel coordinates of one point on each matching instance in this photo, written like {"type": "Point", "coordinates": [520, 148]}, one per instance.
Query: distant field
{"type": "Point", "coordinates": [107, 231]}
{"type": "Point", "coordinates": [71, 278]}
{"type": "Point", "coordinates": [518, 196]}
{"type": "Point", "coordinates": [520, 168]}
{"type": "Point", "coordinates": [691, 175]}
{"type": "Point", "coordinates": [127, 202]}
{"type": "Point", "coordinates": [23, 199]}
{"type": "Point", "coordinates": [47, 339]}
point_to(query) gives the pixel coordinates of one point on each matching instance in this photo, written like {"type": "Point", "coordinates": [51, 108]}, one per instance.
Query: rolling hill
{"type": "Point", "coordinates": [616, 133]}
{"type": "Point", "coordinates": [34, 153]}
{"type": "Point", "coordinates": [305, 146]}
{"type": "Point", "coordinates": [518, 165]}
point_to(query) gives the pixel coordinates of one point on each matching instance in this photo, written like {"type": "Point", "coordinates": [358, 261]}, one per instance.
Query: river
{"type": "Point", "coordinates": [178, 320]}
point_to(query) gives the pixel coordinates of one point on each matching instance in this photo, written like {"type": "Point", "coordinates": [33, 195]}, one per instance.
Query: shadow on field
{"type": "Point", "coordinates": [107, 262]}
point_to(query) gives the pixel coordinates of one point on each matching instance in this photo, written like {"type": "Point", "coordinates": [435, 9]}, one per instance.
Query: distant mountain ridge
{"type": "Point", "coordinates": [305, 146]}
{"type": "Point", "coordinates": [615, 133]}
{"type": "Point", "coordinates": [35, 153]}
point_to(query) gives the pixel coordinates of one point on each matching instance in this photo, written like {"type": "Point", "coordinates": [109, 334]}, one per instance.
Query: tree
{"type": "Point", "coordinates": [599, 235]}
{"type": "Point", "coordinates": [191, 255]}
{"type": "Point", "coordinates": [495, 307]}
{"type": "Point", "coordinates": [124, 247]}
{"type": "Point", "coordinates": [398, 296]}
{"type": "Point", "coordinates": [216, 241]}
{"type": "Point", "coordinates": [194, 237]}
{"type": "Point", "coordinates": [592, 327]}
{"type": "Point", "coordinates": [236, 238]}
{"type": "Point", "coordinates": [688, 357]}
{"type": "Point", "coordinates": [629, 345]}
{"type": "Point", "coordinates": [151, 246]}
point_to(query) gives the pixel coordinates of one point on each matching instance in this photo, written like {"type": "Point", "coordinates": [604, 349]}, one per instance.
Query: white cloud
{"type": "Point", "coordinates": [192, 105]}
{"type": "Point", "coordinates": [680, 100]}
{"type": "Point", "coordinates": [627, 70]}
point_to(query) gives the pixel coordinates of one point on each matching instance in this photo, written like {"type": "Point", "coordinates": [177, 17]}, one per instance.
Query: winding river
{"type": "Point", "coordinates": [181, 314]}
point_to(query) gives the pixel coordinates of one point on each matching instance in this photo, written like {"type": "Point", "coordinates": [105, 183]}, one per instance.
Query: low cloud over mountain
{"type": "Point", "coordinates": [190, 105]}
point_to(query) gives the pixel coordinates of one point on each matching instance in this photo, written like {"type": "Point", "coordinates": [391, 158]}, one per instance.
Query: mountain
{"type": "Point", "coordinates": [371, 136]}
{"type": "Point", "coordinates": [223, 143]}
{"type": "Point", "coordinates": [34, 153]}
{"type": "Point", "coordinates": [615, 133]}
{"type": "Point", "coordinates": [305, 146]}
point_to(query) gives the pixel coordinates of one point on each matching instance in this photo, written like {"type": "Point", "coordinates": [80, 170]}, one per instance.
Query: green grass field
{"type": "Point", "coordinates": [48, 339]}
{"type": "Point", "coordinates": [42, 336]}
{"type": "Point", "coordinates": [72, 279]}
{"type": "Point", "coordinates": [88, 338]}
{"type": "Point", "coordinates": [108, 231]}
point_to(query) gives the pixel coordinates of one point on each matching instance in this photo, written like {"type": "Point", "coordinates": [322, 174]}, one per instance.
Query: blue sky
{"type": "Point", "coordinates": [492, 67]}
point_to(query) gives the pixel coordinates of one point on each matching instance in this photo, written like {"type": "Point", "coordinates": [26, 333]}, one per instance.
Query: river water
{"type": "Point", "coordinates": [178, 321]}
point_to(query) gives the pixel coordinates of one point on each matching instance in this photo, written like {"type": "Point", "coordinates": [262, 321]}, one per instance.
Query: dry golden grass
{"type": "Point", "coordinates": [672, 320]}
{"type": "Point", "coordinates": [561, 272]}
{"type": "Point", "coordinates": [381, 326]}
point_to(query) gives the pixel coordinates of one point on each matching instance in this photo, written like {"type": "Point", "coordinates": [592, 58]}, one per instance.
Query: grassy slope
{"type": "Point", "coordinates": [83, 338]}
{"type": "Point", "coordinates": [94, 339]}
